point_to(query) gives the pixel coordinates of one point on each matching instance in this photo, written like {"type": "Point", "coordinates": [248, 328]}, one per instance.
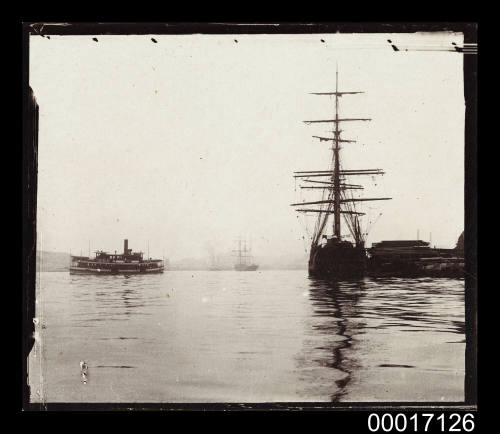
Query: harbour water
{"type": "Point", "coordinates": [264, 336]}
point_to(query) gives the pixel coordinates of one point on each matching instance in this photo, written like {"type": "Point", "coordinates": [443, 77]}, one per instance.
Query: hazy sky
{"type": "Point", "coordinates": [193, 140]}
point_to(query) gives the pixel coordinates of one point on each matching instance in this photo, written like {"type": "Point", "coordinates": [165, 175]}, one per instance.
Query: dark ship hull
{"type": "Point", "coordinates": [340, 260]}
{"type": "Point", "coordinates": [243, 267]}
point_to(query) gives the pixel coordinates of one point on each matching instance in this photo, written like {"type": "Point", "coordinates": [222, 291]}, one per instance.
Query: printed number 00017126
{"type": "Point", "coordinates": [400, 423]}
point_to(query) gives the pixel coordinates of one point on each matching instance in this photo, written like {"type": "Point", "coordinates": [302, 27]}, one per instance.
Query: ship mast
{"type": "Point", "coordinates": [242, 251]}
{"type": "Point", "coordinates": [338, 202]}
{"type": "Point", "coordinates": [336, 170]}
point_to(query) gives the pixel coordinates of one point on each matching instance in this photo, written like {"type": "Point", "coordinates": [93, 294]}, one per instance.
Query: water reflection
{"type": "Point", "coordinates": [335, 303]}
{"type": "Point", "coordinates": [270, 336]}
{"type": "Point", "coordinates": [363, 324]}
{"type": "Point", "coordinates": [415, 305]}
{"type": "Point", "coordinates": [116, 299]}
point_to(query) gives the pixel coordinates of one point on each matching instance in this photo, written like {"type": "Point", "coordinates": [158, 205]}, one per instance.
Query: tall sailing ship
{"type": "Point", "coordinates": [332, 256]}
{"type": "Point", "coordinates": [244, 257]}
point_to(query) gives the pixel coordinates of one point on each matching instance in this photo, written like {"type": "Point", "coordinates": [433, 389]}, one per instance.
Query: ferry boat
{"type": "Point", "coordinates": [127, 263]}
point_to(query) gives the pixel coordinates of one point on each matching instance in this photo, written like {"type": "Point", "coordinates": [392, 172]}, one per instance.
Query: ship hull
{"type": "Point", "coordinates": [252, 267]}
{"type": "Point", "coordinates": [337, 261]}
{"type": "Point", "coordinates": [109, 272]}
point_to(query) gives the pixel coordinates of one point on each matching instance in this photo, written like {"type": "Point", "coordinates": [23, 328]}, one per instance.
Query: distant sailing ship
{"type": "Point", "coordinates": [244, 257]}
{"type": "Point", "coordinates": [333, 256]}
{"type": "Point", "coordinates": [127, 262]}
{"type": "Point", "coordinates": [214, 264]}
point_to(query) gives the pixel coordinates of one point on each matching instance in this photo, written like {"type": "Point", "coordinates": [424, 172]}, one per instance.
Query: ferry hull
{"type": "Point", "coordinates": [109, 272]}
{"type": "Point", "coordinates": [338, 261]}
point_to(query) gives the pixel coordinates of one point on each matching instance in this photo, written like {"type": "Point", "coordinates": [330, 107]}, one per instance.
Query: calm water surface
{"type": "Point", "coordinates": [227, 336]}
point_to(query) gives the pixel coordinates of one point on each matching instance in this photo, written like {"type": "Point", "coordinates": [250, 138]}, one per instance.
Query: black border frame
{"type": "Point", "coordinates": [29, 159]}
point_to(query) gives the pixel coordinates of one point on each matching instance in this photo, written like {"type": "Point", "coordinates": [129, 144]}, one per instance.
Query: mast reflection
{"type": "Point", "coordinates": [335, 304]}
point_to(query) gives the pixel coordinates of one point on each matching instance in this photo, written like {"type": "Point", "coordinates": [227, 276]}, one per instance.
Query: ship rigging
{"type": "Point", "coordinates": [334, 256]}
